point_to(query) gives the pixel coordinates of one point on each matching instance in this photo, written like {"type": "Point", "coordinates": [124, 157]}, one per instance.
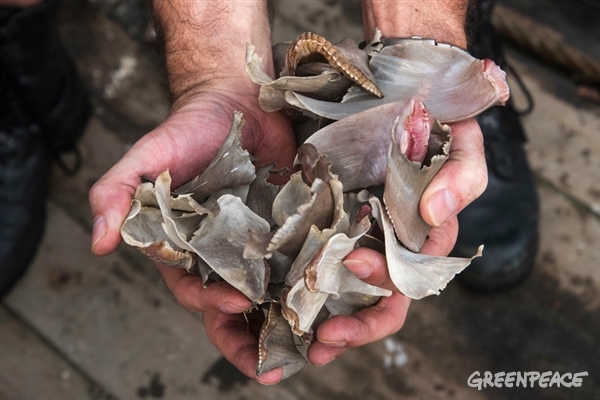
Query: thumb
{"type": "Point", "coordinates": [460, 180]}
{"type": "Point", "coordinates": [110, 200]}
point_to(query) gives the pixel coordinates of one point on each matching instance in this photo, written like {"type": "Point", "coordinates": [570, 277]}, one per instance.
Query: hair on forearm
{"type": "Point", "coordinates": [442, 20]}
{"type": "Point", "coordinates": [185, 53]}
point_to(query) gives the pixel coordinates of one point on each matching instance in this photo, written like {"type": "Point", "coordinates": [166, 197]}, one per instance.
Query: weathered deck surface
{"type": "Point", "coordinates": [81, 327]}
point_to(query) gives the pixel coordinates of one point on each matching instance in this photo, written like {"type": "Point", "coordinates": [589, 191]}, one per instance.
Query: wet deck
{"type": "Point", "coordinates": [81, 327]}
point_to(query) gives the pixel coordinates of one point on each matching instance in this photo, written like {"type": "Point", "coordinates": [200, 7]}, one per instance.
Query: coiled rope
{"type": "Point", "coordinates": [546, 43]}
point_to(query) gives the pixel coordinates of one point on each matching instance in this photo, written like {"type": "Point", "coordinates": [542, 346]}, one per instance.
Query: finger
{"type": "Point", "coordinates": [189, 291]}
{"type": "Point", "coordinates": [366, 326]}
{"type": "Point", "coordinates": [320, 353]}
{"type": "Point", "coordinates": [232, 336]}
{"type": "Point", "coordinates": [462, 178]}
{"type": "Point", "coordinates": [369, 266]}
{"type": "Point", "coordinates": [110, 200]}
{"type": "Point", "coordinates": [440, 240]}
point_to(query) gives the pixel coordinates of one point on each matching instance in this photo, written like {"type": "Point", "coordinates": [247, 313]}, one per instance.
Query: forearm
{"type": "Point", "coordinates": [442, 20]}
{"type": "Point", "coordinates": [204, 42]}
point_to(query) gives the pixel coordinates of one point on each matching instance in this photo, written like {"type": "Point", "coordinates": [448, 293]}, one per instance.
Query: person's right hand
{"type": "Point", "coordinates": [185, 143]}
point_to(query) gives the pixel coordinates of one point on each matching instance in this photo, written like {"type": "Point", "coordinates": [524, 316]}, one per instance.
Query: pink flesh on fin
{"type": "Point", "coordinates": [413, 134]}
{"type": "Point", "coordinates": [497, 77]}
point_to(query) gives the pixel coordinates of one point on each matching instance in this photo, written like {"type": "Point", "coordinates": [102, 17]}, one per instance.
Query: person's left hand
{"type": "Point", "coordinates": [460, 181]}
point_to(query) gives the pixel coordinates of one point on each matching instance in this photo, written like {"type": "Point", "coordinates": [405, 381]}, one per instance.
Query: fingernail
{"type": "Point", "coordinates": [340, 343]}
{"type": "Point", "coordinates": [442, 206]}
{"type": "Point", "coordinates": [327, 361]}
{"type": "Point", "coordinates": [265, 378]}
{"type": "Point", "coordinates": [267, 383]}
{"type": "Point", "coordinates": [230, 308]}
{"type": "Point", "coordinates": [99, 230]}
{"type": "Point", "coordinates": [359, 268]}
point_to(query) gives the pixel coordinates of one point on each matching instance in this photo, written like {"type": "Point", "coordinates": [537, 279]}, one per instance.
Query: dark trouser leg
{"type": "Point", "coordinates": [44, 109]}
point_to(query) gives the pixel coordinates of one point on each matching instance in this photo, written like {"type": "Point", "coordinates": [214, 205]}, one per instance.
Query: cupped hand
{"type": "Point", "coordinates": [461, 180]}
{"type": "Point", "coordinates": [185, 143]}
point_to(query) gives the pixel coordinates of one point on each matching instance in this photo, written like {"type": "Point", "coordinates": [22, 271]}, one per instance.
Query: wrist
{"type": "Point", "coordinates": [225, 88]}
{"type": "Point", "coordinates": [205, 42]}
{"type": "Point", "coordinates": [442, 20]}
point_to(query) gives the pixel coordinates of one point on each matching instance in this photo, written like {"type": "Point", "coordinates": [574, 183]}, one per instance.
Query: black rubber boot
{"type": "Point", "coordinates": [44, 110]}
{"type": "Point", "coordinates": [505, 218]}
